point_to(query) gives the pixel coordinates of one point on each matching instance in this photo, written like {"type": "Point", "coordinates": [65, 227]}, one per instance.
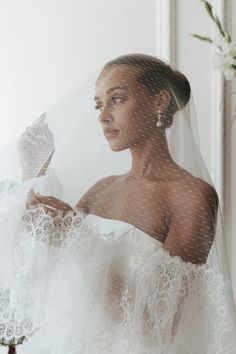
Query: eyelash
{"type": "Point", "coordinates": [113, 97]}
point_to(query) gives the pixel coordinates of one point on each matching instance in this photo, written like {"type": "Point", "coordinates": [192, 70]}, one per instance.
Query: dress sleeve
{"type": "Point", "coordinates": [54, 255]}
{"type": "Point", "coordinates": [182, 307]}
{"type": "Point", "coordinates": [59, 231]}
{"type": "Point", "coordinates": [21, 278]}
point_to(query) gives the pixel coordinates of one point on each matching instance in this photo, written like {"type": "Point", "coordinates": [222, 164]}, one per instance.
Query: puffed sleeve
{"type": "Point", "coordinates": [182, 307]}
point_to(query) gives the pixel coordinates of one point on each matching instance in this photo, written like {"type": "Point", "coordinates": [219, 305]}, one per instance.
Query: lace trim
{"type": "Point", "coordinates": [15, 325]}
{"type": "Point", "coordinates": [51, 227]}
{"type": "Point", "coordinates": [157, 300]}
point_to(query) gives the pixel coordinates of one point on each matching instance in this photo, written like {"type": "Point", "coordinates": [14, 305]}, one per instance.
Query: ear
{"type": "Point", "coordinates": [162, 100]}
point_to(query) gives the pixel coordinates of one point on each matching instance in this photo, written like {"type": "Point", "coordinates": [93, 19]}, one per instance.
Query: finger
{"type": "Point", "coordinates": [32, 199]}
{"type": "Point", "coordinates": [39, 121]}
{"type": "Point", "coordinates": [30, 193]}
{"type": "Point", "coordinates": [48, 201]}
{"type": "Point", "coordinates": [31, 203]}
{"type": "Point", "coordinates": [51, 211]}
{"type": "Point", "coordinates": [48, 198]}
{"type": "Point", "coordinates": [53, 202]}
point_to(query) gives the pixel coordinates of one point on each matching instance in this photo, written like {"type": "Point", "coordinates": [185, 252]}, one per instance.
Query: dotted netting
{"type": "Point", "coordinates": [133, 259]}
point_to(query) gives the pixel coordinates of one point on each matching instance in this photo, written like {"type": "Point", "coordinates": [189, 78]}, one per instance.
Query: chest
{"type": "Point", "coordinates": [140, 203]}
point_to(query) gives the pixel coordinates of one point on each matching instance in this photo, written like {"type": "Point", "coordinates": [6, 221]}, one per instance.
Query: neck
{"type": "Point", "coordinates": [152, 157]}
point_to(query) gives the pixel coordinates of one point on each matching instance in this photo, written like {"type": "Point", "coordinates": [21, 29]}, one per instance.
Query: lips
{"type": "Point", "coordinates": [111, 132]}
{"type": "Point", "coordinates": [108, 130]}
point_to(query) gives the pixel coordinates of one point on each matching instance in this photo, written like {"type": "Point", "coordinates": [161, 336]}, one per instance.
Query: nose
{"type": "Point", "coordinates": [105, 115]}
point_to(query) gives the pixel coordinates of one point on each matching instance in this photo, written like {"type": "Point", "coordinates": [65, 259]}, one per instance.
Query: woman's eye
{"type": "Point", "coordinates": [98, 107]}
{"type": "Point", "coordinates": [115, 98]}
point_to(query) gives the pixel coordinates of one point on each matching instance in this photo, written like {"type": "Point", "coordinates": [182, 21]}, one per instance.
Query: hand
{"type": "Point", "coordinates": [49, 203]}
{"type": "Point", "coordinates": [36, 148]}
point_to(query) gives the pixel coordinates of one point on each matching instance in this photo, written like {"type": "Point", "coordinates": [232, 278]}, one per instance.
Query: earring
{"type": "Point", "coordinates": [159, 123]}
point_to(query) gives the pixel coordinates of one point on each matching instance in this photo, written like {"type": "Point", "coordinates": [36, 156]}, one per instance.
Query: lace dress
{"type": "Point", "coordinates": [92, 285]}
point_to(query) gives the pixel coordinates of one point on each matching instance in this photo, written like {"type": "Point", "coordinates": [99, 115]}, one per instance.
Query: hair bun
{"type": "Point", "coordinates": [182, 90]}
{"type": "Point", "coordinates": [156, 75]}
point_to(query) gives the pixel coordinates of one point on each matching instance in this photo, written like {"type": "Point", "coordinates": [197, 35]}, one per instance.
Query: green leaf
{"type": "Point", "coordinates": [208, 7]}
{"type": "Point", "coordinates": [218, 24]}
{"type": "Point", "coordinates": [216, 20]}
{"type": "Point", "coordinates": [202, 38]}
{"type": "Point", "coordinates": [228, 36]}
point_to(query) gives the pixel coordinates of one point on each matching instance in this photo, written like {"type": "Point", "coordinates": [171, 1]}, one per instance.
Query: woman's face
{"type": "Point", "coordinates": [125, 105]}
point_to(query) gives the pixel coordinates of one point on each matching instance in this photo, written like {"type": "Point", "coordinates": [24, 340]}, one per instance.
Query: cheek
{"type": "Point", "coordinates": [136, 122]}
{"type": "Point", "coordinates": [142, 116]}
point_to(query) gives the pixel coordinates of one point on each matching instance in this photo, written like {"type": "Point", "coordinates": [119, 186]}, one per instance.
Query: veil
{"type": "Point", "coordinates": [55, 268]}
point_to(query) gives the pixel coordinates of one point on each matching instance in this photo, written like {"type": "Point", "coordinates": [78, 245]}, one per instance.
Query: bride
{"type": "Point", "coordinates": [139, 264]}
{"type": "Point", "coordinates": [155, 188]}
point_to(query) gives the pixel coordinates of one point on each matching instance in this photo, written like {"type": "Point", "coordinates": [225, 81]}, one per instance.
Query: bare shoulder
{"type": "Point", "coordinates": [190, 191]}
{"type": "Point", "coordinates": [193, 205]}
{"type": "Point", "coordinates": [104, 182]}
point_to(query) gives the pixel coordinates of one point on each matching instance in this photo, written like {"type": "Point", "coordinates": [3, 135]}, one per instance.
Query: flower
{"type": "Point", "coordinates": [225, 56]}
{"type": "Point", "coordinates": [230, 74]}
{"type": "Point", "coordinates": [219, 61]}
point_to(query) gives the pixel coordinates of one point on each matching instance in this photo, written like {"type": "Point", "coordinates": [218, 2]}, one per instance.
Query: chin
{"type": "Point", "coordinates": [118, 147]}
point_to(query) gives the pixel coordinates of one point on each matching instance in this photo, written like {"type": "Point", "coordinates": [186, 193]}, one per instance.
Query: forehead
{"type": "Point", "coordinates": [120, 75]}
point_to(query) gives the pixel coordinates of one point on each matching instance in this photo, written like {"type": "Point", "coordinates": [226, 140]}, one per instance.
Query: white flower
{"type": "Point", "coordinates": [219, 61]}
{"type": "Point", "coordinates": [226, 53]}
{"type": "Point", "coordinates": [219, 40]}
{"type": "Point", "coordinates": [230, 74]}
{"type": "Point", "coordinates": [229, 49]}
{"type": "Point", "coordinates": [231, 60]}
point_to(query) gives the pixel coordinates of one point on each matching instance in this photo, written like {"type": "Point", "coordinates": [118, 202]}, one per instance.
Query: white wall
{"type": "Point", "coordinates": [47, 46]}
{"type": "Point", "coordinates": [232, 164]}
{"type": "Point", "coordinates": [194, 59]}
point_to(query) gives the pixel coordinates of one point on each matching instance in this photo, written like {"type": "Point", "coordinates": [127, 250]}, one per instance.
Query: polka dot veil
{"type": "Point", "coordinates": [125, 234]}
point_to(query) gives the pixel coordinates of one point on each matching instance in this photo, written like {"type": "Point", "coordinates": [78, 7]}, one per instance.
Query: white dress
{"type": "Point", "coordinates": [91, 285]}
{"type": "Point", "coordinates": [112, 288]}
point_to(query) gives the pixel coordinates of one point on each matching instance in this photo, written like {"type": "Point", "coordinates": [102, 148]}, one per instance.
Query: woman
{"type": "Point", "coordinates": [134, 105]}
{"type": "Point", "coordinates": [142, 245]}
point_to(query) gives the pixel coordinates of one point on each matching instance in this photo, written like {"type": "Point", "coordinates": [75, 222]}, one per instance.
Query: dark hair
{"type": "Point", "coordinates": [156, 75]}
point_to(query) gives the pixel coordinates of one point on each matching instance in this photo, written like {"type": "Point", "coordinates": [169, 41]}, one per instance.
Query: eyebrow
{"type": "Point", "coordinates": [112, 89]}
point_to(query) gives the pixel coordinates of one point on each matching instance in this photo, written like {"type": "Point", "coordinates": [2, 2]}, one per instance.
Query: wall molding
{"type": "Point", "coordinates": [166, 30]}
{"type": "Point", "coordinates": [221, 122]}
{"type": "Point", "coordinates": [166, 47]}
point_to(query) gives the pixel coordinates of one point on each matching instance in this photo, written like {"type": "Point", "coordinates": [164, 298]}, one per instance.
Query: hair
{"type": "Point", "coordinates": [156, 75]}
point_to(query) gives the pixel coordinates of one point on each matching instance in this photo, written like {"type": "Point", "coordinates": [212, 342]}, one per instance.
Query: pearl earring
{"type": "Point", "coordinates": [159, 123]}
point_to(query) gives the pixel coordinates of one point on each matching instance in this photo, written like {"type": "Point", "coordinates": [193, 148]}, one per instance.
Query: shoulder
{"type": "Point", "coordinates": [83, 203]}
{"type": "Point", "coordinates": [193, 205]}
{"type": "Point", "coordinates": [191, 192]}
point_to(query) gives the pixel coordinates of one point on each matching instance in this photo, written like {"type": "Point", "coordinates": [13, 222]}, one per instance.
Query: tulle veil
{"type": "Point", "coordinates": [79, 156]}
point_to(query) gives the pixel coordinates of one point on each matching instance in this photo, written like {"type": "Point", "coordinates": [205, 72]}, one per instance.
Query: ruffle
{"type": "Point", "coordinates": [100, 296]}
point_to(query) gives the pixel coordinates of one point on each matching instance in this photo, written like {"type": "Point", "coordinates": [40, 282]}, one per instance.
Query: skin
{"type": "Point", "coordinates": [140, 135]}
{"type": "Point", "coordinates": [171, 193]}
{"type": "Point", "coordinates": [156, 196]}
{"type": "Point", "coordinates": [134, 114]}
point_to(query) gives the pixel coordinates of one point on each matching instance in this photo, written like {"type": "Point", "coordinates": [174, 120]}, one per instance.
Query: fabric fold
{"type": "Point", "coordinates": [122, 295]}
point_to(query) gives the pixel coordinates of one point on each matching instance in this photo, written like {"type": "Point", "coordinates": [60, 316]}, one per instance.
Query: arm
{"type": "Point", "coordinates": [86, 200]}
{"type": "Point", "coordinates": [182, 282]}
{"type": "Point", "coordinates": [190, 237]}
{"type": "Point", "coordinates": [50, 210]}
{"type": "Point", "coordinates": [193, 221]}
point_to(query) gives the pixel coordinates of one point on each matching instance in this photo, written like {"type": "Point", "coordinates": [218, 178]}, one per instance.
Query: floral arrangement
{"type": "Point", "coordinates": [225, 56]}
{"type": "Point", "coordinates": [11, 344]}
{"type": "Point", "coordinates": [7, 329]}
